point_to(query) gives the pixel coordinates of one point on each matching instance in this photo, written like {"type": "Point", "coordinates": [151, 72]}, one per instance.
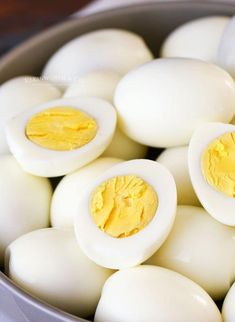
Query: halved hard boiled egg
{"type": "Point", "coordinates": [211, 159]}
{"type": "Point", "coordinates": [126, 214]}
{"type": "Point", "coordinates": [61, 136]}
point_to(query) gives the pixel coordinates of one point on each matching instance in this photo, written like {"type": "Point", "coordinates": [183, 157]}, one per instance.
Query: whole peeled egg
{"type": "Point", "coordinates": [49, 264]}
{"type": "Point", "coordinates": [176, 161]}
{"type": "Point", "coordinates": [161, 103]}
{"type": "Point", "coordinates": [71, 188]}
{"type": "Point", "coordinates": [126, 213]}
{"type": "Point", "coordinates": [228, 309]}
{"type": "Point", "coordinates": [200, 248]}
{"type": "Point", "coordinates": [19, 94]}
{"type": "Point", "coordinates": [102, 84]}
{"type": "Point", "coordinates": [61, 136]}
{"type": "Point", "coordinates": [24, 202]}
{"type": "Point", "coordinates": [211, 158]}
{"type": "Point", "coordinates": [154, 294]}
{"type": "Point", "coordinates": [198, 38]}
{"type": "Point", "coordinates": [105, 49]}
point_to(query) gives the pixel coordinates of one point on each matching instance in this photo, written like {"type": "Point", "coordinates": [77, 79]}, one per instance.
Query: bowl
{"type": "Point", "coordinates": [152, 21]}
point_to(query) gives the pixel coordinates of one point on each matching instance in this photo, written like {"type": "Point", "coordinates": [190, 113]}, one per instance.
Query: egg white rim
{"type": "Point", "coordinates": [135, 249]}
{"type": "Point", "coordinates": [22, 148]}
{"type": "Point", "coordinates": [211, 199]}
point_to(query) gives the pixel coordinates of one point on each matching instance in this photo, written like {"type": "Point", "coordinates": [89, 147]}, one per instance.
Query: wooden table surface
{"type": "Point", "coordinates": [20, 19]}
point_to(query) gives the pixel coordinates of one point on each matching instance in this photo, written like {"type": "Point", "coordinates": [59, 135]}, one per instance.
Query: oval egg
{"type": "Point", "coordinates": [105, 49]}
{"type": "Point", "coordinates": [150, 293]}
{"type": "Point", "coordinates": [161, 103]}
{"type": "Point", "coordinates": [228, 309]}
{"type": "Point", "coordinates": [61, 136]}
{"type": "Point", "coordinates": [126, 213]}
{"type": "Point", "coordinates": [211, 158]}
{"type": "Point", "coordinates": [197, 38]}
{"type": "Point", "coordinates": [19, 94]}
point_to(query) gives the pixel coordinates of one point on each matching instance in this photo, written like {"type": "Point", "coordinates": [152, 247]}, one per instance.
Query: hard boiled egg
{"type": "Point", "coordinates": [176, 161]}
{"type": "Point", "coordinates": [66, 196]}
{"type": "Point", "coordinates": [200, 248]}
{"type": "Point", "coordinates": [197, 38]}
{"type": "Point", "coordinates": [61, 136]}
{"type": "Point", "coordinates": [228, 309]}
{"type": "Point", "coordinates": [154, 294]}
{"type": "Point", "coordinates": [49, 264]}
{"type": "Point", "coordinates": [24, 202]}
{"type": "Point", "coordinates": [161, 103]}
{"type": "Point", "coordinates": [102, 84]}
{"type": "Point", "coordinates": [126, 213]}
{"type": "Point", "coordinates": [211, 158]}
{"type": "Point", "coordinates": [19, 94]}
{"type": "Point", "coordinates": [105, 49]}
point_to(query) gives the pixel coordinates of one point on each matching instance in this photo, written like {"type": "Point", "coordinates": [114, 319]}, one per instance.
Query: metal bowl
{"type": "Point", "coordinates": [153, 21]}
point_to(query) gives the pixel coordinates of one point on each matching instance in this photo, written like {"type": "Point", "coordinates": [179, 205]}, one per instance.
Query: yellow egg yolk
{"type": "Point", "coordinates": [218, 164]}
{"type": "Point", "coordinates": [123, 205]}
{"type": "Point", "coordinates": [61, 128]}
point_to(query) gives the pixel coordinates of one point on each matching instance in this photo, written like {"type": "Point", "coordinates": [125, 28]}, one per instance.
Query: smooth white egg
{"type": "Point", "coordinates": [24, 202]}
{"type": "Point", "coordinates": [197, 38]}
{"type": "Point", "coordinates": [150, 294]}
{"type": "Point", "coordinates": [65, 200]}
{"type": "Point", "coordinates": [161, 103]}
{"type": "Point", "coordinates": [47, 162]}
{"type": "Point", "coordinates": [218, 204]}
{"type": "Point", "coordinates": [105, 49]}
{"type": "Point", "coordinates": [49, 264]}
{"type": "Point", "coordinates": [228, 309]}
{"type": "Point", "coordinates": [226, 49]}
{"type": "Point", "coordinates": [176, 161]}
{"type": "Point", "coordinates": [102, 84]}
{"type": "Point", "coordinates": [135, 241]}
{"type": "Point", "coordinates": [200, 248]}
{"type": "Point", "coordinates": [19, 94]}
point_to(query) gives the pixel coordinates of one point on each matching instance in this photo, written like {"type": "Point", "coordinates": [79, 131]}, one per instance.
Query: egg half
{"type": "Point", "coordinates": [61, 136]}
{"type": "Point", "coordinates": [126, 213]}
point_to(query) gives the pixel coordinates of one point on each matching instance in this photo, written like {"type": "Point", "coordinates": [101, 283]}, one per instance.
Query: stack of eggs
{"type": "Point", "coordinates": [102, 100]}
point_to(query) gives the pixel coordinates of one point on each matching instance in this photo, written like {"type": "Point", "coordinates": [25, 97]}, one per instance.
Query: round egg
{"type": "Point", "coordinates": [176, 161]}
{"type": "Point", "coordinates": [226, 49]}
{"type": "Point", "coordinates": [70, 189]}
{"type": "Point", "coordinates": [61, 136]}
{"type": "Point", "coordinates": [154, 294]}
{"type": "Point", "coordinates": [228, 309]}
{"type": "Point", "coordinates": [105, 49]}
{"type": "Point", "coordinates": [20, 94]}
{"type": "Point", "coordinates": [211, 158]}
{"type": "Point", "coordinates": [49, 264]}
{"type": "Point", "coordinates": [24, 202]}
{"type": "Point", "coordinates": [197, 38]}
{"type": "Point", "coordinates": [161, 103]}
{"type": "Point", "coordinates": [102, 84]}
{"type": "Point", "coordinates": [200, 248]}
{"type": "Point", "coordinates": [126, 213]}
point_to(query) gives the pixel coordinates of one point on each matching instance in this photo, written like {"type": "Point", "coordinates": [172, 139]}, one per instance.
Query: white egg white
{"type": "Point", "coordinates": [200, 248]}
{"type": "Point", "coordinates": [218, 205]}
{"type": "Point", "coordinates": [161, 103]}
{"type": "Point", "coordinates": [176, 161]}
{"type": "Point", "coordinates": [125, 252]}
{"type": "Point", "coordinates": [197, 38]}
{"type": "Point", "coordinates": [24, 202]}
{"type": "Point", "coordinates": [49, 264]}
{"type": "Point", "coordinates": [50, 163]}
{"type": "Point", "coordinates": [228, 309]}
{"type": "Point", "coordinates": [19, 94]}
{"type": "Point", "coordinates": [105, 49]}
{"type": "Point", "coordinates": [70, 189]}
{"type": "Point", "coordinates": [154, 294]}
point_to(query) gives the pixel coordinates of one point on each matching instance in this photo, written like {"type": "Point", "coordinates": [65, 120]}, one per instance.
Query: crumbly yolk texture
{"type": "Point", "coordinates": [123, 205]}
{"type": "Point", "coordinates": [218, 164]}
{"type": "Point", "coordinates": [61, 128]}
